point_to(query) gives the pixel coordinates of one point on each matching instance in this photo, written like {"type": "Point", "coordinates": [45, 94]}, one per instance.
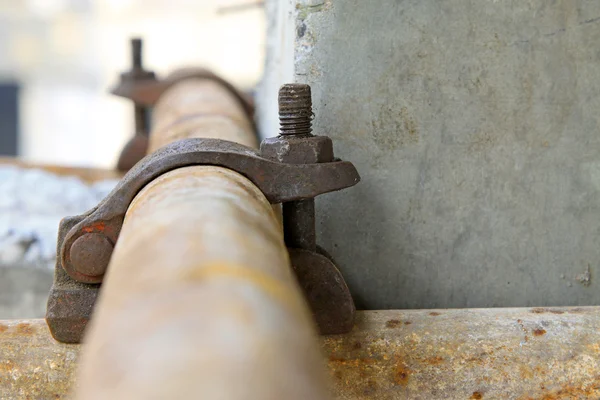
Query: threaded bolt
{"type": "Point", "coordinates": [295, 109]}
{"type": "Point", "coordinates": [136, 53]}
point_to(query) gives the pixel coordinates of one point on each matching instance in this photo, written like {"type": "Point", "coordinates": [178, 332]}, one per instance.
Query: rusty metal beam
{"type": "Point", "coordinates": [32, 364]}
{"type": "Point", "coordinates": [524, 354]}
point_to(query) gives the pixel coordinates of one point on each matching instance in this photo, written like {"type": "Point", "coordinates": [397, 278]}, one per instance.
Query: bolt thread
{"type": "Point", "coordinates": [136, 52]}
{"type": "Point", "coordinates": [295, 109]}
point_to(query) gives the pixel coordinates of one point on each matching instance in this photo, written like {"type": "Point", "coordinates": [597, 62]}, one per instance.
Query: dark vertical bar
{"type": "Point", "coordinates": [136, 52]}
{"type": "Point", "coordinates": [9, 118]}
{"type": "Point", "coordinates": [299, 224]}
{"type": "Point", "coordinates": [141, 120]}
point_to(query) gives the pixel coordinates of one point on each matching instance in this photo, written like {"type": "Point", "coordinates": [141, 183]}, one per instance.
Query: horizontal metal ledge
{"type": "Point", "coordinates": [519, 353]}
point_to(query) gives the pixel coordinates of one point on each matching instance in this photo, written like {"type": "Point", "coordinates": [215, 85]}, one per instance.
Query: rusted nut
{"type": "Point", "coordinates": [135, 76]}
{"type": "Point", "coordinates": [137, 73]}
{"type": "Point", "coordinates": [90, 254]}
{"type": "Point", "coordinates": [298, 149]}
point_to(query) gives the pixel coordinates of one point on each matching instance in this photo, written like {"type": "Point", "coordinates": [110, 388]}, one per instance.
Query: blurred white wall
{"type": "Point", "coordinates": [67, 53]}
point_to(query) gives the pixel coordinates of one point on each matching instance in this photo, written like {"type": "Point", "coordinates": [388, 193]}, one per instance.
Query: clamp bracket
{"type": "Point", "coordinates": [85, 242]}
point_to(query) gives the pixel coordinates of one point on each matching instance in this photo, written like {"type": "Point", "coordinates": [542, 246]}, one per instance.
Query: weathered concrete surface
{"type": "Point", "coordinates": [503, 354]}
{"type": "Point", "coordinates": [474, 125]}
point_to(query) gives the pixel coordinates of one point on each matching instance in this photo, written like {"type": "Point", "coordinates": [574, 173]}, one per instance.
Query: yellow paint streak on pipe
{"type": "Point", "coordinates": [267, 284]}
{"type": "Point", "coordinates": [199, 300]}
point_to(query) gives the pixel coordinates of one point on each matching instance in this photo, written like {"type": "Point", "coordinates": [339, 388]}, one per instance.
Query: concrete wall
{"type": "Point", "coordinates": [474, 125]}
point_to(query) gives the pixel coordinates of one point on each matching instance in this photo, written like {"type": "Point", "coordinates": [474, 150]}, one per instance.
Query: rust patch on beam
{"type": "Point", "coordinates": [393, 323]}
{"type": "Point", "coordinates": [460, 354]}
{"type": "Point", "coordinates": [24, 329]}
{"type": "Point", "coordinates": [32, 364]}
{"type": "Point", "coordinates": [524, 354]}
{"type": "Point", "coordinates": [547, 310]}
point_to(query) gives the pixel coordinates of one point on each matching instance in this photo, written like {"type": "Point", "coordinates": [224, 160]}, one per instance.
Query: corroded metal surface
{"type": "Point", "coordinates": [200, 108]}
{"type": "Point", "coordinates": [32, 364]}
{"type": "Point", "coordinates": [198, 284]}
{"type": "Point", "coordinates": [499, 354]}
{"type": "Point", "coordinates": [295, 109]}
{"type": "Point", "coordinates": [323, 284]}
{"type": "Point", "coordinates": [298, 167]}
{"type": "Point", "coordinates": [199, 300]}
{"type": "Point", "coordinates": [520, 354]}
{"type": "Point", "coordinates": [278, 182]}
{"type": "Point", "coordinates": [70, 303]}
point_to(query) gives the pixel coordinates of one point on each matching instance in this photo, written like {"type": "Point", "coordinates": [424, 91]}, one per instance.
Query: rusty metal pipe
{"type": "Point", "coordinates": [199, 300]}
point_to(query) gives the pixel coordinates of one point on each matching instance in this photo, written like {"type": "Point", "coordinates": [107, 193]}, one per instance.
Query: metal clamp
{"type": "Point", "coordinates": [87, 246]}
{"type": "Point", "coordinates": [85, 242]}
{"type": "Point", "coordinates": [147, 92]}
{"type": "Point", "coordinates": [144, 89]}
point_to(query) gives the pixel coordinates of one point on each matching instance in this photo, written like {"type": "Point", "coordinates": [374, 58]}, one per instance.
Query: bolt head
{"type": "Point", "coordinates": [90, 254]}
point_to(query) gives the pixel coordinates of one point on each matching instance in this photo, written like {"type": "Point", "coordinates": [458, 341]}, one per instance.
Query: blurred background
{"type": "Point", "coordinates": [60, 57]}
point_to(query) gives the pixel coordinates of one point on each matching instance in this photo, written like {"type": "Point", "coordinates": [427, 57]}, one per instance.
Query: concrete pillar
{"type": "Point", "coordinates": [475, 128]}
